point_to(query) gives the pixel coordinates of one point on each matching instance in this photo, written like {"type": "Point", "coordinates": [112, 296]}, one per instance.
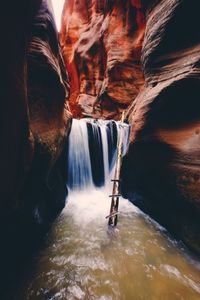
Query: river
{"type": "Point", "coordinates": [84, 259]}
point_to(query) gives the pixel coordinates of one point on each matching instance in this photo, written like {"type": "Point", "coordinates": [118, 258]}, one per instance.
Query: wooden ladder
{"type": "Point", "coordinates": [113, 216]}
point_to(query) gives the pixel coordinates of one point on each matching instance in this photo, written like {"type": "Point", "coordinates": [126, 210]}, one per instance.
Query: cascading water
{"type": "Point", "coordinates": [79, 166]}
{"type": "Point", "coordinates": [104, 137]}
{"type": "Point", "coordinates": [92, 151]}
{"type": "Point", "coordinates": [139, 260]}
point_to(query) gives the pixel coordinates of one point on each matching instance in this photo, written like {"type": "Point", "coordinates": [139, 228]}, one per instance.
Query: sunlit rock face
{"type": "Point", "coordinates": [35, 120]}
{"type": "Point", "coordinates": [48, 91]}
{"type": "Point", "coordinates": [101, 44]}
{"type": "Point", "coordinates": [163, 162]}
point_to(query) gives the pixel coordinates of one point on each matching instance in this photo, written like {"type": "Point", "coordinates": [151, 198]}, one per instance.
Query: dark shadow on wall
{"type": "Point", "coordinates": [149, 181]}
{"type": "Point", "coordinates": [34, 125]}
{"type": "Point", "coordinates": [23, 232]}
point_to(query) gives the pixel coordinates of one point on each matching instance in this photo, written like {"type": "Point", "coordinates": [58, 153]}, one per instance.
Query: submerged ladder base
{"type": "Point", "coordinates": [112, 214]}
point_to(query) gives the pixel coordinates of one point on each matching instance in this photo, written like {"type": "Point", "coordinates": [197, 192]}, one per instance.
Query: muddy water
{"type": "Point", "coordinates": [83, 260]}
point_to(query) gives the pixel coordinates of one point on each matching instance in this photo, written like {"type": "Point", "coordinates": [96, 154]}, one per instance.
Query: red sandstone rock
{"type": "Point", "coordinates": [34, 115]}
{"type": "Point", "coordinates": [164, 156]}
{"type": "Point", "coordinates": [101, 43]}
{"type": "Point", "coordinates": [48, 87]}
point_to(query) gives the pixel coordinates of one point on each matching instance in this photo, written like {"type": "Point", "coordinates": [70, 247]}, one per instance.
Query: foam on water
{"type": "Point", "coordinates": [84, 260]}
{"type": "Point", "coordinates": [94, 205]}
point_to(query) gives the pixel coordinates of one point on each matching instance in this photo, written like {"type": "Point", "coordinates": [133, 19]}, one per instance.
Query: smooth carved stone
{"type": "Point", "coordinates": [34, 124]}
{"type": "Point", "coordinates": [16, 149]}
{"type": "Point", "coordinates": [163, 162]}
{"type": "Point", "coordinates": [35, 117]}
{"type": "Point", "coordinates": [101, 44]}
{"type": "Point", "coordinates": [48, 87]}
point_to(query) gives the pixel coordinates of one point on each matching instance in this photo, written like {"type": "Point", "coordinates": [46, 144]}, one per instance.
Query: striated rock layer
{"type": "Point", "coordinates": [163, 162]}
{"type": "Point", "coordinates": [48, 90]}
{"type": "Point", "coordinates": [101, 43]}
{"type": "Point", "coordinates": [34, 125]}
{"type": "Point", "coordinates": [34, 116]}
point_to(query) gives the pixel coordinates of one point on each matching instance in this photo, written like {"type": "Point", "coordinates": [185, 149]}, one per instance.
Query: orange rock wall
{"type": "Point", "coordinates": [101, 43]}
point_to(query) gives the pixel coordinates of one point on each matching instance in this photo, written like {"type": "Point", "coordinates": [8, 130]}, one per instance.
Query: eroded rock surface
{"type": "Point", "coordinates": [34, 124]}
{"type": "Point", "coordinates": [101, 43]}
{"type": "Point", "coordinates": [163, 162]}
{"type": "Point", "coordinates": [34, 118]}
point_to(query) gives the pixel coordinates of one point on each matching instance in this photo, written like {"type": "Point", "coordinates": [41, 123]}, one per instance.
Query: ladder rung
{"type": "Point", "coordinates": [119, 195]}
{"type": "Point", "coordinates": [112, 214]}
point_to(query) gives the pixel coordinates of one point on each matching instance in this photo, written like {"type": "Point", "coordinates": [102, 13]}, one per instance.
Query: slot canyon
{"type": "Point", "coordinates": [75, 88]}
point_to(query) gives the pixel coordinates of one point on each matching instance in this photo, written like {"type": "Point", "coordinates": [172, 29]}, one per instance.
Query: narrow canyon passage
{"type": "Point", "coordinates": [82, 259]}
{"type": "Point", "coordinates": [71, 70]}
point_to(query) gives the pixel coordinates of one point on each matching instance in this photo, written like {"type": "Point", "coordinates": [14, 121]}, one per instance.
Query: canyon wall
{"type": "Point", "coordinates": [47, 92]}
{"type": "Point", "coordinates": [101, 44]}
{"type": "Point", "coordinates": [161, 171]}
{"type": "Point", "coordinates": [34, 122]}
{"type": "Point", "coordinates": [34, 116]}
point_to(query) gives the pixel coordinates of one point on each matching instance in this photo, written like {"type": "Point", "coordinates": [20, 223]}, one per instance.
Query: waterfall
{"type": "Point", "coordinates": [104, 138]}
{"type": "Point", "coordinates": [79, 166]}
{"type": "Point", "coordinates": [92, 151]}
{"type": "Point", "coordinates": [124, 131]}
